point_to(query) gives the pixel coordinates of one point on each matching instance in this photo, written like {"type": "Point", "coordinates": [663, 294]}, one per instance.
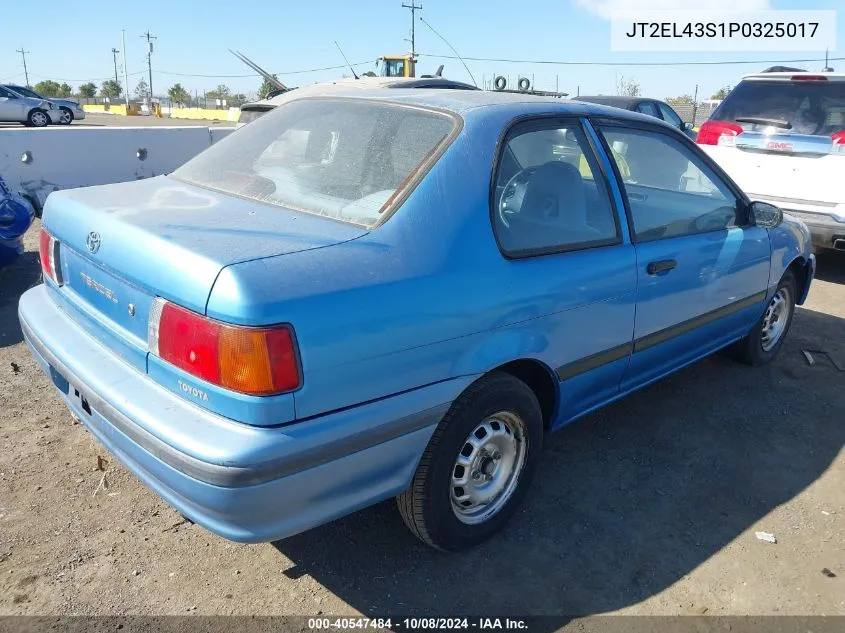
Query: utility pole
{"type": "Point", "coordinates": [150, 39]}
{"type": "Point", "coordinates": [413, 7]}
{"type": "Point", "coordinates": [125, 72]}
{"type": "Point", "coordinates": [114, 53]}
{"type": "Point", "coordinates": [23, 56]}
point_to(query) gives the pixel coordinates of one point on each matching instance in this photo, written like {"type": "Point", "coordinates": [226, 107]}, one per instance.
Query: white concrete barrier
{"type": "Point", "coordinates": [37, 162]}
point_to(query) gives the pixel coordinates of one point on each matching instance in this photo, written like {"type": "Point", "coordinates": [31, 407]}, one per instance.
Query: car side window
{"type": "Point", "coordinates": [669, 115]}
{"type": "Point", "coordinates": [647, 107]}
{"type": "Point", "coordinates": [671, 192]}
{"type": "Point", "coordinates": [550, 195]}
{"type": "Point", "coordinates": [4, 93]}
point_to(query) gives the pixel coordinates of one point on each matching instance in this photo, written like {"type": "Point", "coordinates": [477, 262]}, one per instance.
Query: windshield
{"type": "Point", "coordinates": [26, 92]}
{"type": "Point", "coordinates": [347, 159]}
{"type": "Point", "coordinates": [792, 107]}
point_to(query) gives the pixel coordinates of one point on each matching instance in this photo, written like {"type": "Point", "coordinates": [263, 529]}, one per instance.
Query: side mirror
{"type": "Point", "coordinates": [765, 215]}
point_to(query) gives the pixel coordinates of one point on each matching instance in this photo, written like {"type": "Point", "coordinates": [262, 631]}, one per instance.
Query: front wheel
{"type": "Point", "coordinates": [66, 116]}
{"type": "Point", "coordinates": [37, 118]}
{"type": "Point", "coordinates": [764, 341]}
{"type": "Point", "coordinates": [478, 465]}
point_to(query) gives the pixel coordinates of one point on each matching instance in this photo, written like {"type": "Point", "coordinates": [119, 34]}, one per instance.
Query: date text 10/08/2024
{"type": "Point", "coordinates": [722, 29]}
{"type": "Point", "coordinates": [417, 623]}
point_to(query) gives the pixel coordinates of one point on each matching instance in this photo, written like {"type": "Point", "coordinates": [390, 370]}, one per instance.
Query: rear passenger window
{"type": "Point", "coordinates": [549, 193]}
{"type": "Point", "coordinates": [670, 191]}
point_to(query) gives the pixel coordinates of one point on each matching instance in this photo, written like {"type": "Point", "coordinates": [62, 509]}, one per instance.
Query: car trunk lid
{"type": "Point", "coordinates": [123, 245]}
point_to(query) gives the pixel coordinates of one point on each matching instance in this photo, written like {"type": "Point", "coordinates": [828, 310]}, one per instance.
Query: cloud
{"type": "Point", "coordinates": [609, 8]}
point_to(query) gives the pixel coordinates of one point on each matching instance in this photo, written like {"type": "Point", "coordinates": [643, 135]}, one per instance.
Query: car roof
{"type": "Point", "coordinates": [612, 100]}
{"type": "Point", "coordinates": [786, 76]}
{"type": "Point", "coordinates": [461, 102]}
{"type": "Point", "coordinates": [367, 83]}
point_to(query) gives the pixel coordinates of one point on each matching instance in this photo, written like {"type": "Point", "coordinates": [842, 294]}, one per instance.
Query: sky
{"type": "Point", "coordinates": [284, 36]}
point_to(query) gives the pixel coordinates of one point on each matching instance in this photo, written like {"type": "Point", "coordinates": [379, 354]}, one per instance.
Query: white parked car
{"type": "Point", "coordinates": [32, 112]}
{"type": "Point", "coordinates": [781, 137]}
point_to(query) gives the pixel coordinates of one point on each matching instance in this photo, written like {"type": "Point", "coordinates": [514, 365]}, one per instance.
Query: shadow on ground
{"type": "Point", "coordinates": [830, 266]}
{"type": "Point", "coordinates": [626, 502]}
{"type": "Point", "coordinates": [15, 279]}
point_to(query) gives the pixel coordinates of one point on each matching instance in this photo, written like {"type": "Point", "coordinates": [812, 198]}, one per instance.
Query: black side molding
{"type": "Point", "coordinates": [570, 370]}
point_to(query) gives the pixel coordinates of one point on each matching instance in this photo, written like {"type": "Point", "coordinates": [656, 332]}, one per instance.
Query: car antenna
{"type": "Point", "coordinates": [457, 54]}
{"type": "Point", "coordinates": [354, 74]}
{"type": "Point", "coordinates": [270, 78]}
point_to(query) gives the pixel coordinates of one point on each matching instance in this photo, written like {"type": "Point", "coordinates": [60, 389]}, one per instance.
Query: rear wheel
{"type": "Point", "coordinates": [478, 465]}
{"type": "Point", "coordinates": [37, 118]}
{"type": "Point", "coordinates": [766, 338]}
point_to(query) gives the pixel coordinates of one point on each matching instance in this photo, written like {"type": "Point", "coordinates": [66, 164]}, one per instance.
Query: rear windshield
{"type": "Point", "coordinates": [250, 114]}
{"type": "Point", "coordinates": [342, 158]}
{"type": "Point", "coordinates": [792, 107]}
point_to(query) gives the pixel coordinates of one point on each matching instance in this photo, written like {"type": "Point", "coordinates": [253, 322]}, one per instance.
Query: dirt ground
{"type": "Point", "coordinates": [647, 507]}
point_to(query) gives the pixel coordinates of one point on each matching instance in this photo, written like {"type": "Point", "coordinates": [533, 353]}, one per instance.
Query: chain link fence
{"type": "Point", "coordinates": [695, 113]}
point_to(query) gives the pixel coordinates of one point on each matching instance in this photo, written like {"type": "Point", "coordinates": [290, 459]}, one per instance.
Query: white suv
{"type": "Point", "coordinates": [781, 137]}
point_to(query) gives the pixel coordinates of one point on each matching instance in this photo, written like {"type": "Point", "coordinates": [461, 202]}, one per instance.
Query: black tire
{"type": "Point", "coordinates": [427, 506]}
{"type": "Point", "coordinates": [750, 350]}
{"type": "Point", "coordinates": [500, 83]}
{"type": "Point", "coordinates": [69, 114]}
{"type": "Point", "coordinates": [35, 118]}
{"type": "Point", "coordinates": [524, 84]}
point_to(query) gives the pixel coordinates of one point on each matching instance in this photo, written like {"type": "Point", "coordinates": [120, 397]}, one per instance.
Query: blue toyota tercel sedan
{"type": "Point", "coordinates": [396, 293]}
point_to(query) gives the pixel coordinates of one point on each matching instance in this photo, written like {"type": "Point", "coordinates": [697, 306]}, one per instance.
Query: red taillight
{"type": "Point", "coordinates": [808, 78]}
{"type": "Point", "coordinates": [838, 142]}
{"type": "Point", "coordinates": [47, 247]}
{"type": "Point", "coordinates": [257, 361]}
{"type": "Point", "coordinates": [718, 133]}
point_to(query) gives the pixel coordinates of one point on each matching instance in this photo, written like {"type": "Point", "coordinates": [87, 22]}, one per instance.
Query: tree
{"type": "Point", "coordinates": [721, 93]}
{"type": "Point", "coordinates": [142, 90]}
{"type": "Point", "coordinates": [369, 73]}
{"type": "Point", "coordinates": [178, 95]}
{"type": "Point", "coordinates": [628, 87]}
{"type": "Point", "coordinates": [220, 92]}
{"type": "Point", "coordinates": [682, 100]}
{"type": "Point", "coordinates": [88, 90]}
{"type": "Point", "coordinates": [47, 88]}
{"type": "Point", "coordinates": [65, 91]}
{"type": "Point", "coordinates": [111, 88]}
{"type": "Point", "coordinates": [266, 88]}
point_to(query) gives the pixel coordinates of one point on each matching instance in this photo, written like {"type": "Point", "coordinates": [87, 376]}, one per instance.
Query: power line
{"type": "Point", "coordinates": [453, 49]}
{"type": "Point", "coordinates": [23, 56]}
{"type": "Point", "coordinates": [83, 80]}
{"type": "Point", "coordinates": [578, 63]}
{"type": "Point", "coordinates": [287, 72]}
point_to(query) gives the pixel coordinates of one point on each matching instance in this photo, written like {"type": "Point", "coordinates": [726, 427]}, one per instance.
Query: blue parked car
{"type": "Point", "coordinates": [397, 293]}
{"type": "Point", "coordinates": [16, 215]}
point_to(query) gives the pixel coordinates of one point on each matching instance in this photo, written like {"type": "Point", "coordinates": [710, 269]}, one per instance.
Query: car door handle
{"type": "Point", "coordinates": [660, 266]}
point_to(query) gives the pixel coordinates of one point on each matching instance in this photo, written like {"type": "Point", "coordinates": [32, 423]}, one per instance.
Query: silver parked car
{"type": "Point", "coordinates": [26, 110]}
{"type": "Point", "coordinates": [69, 111]}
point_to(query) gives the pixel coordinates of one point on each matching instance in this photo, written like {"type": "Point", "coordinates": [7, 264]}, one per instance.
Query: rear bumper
{"type": "Point", "coordinates": [825, 229]}
{"type": "Point", "coordinates": [245, 483]}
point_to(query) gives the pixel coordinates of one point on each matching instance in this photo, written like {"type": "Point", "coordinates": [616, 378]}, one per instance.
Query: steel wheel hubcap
{"type": "Point", "coordinates": [65, 116]}
{"type": "Point", "coordinates": [775, 319]}
{"type": "Point", "coordinates": [487, 469]}
{"type": "Point", "coordinates": [39, 119]}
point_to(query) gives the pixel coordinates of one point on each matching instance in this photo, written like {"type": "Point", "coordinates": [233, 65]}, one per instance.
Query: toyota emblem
{"type": "Point", "coordinates": [93, 241]}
